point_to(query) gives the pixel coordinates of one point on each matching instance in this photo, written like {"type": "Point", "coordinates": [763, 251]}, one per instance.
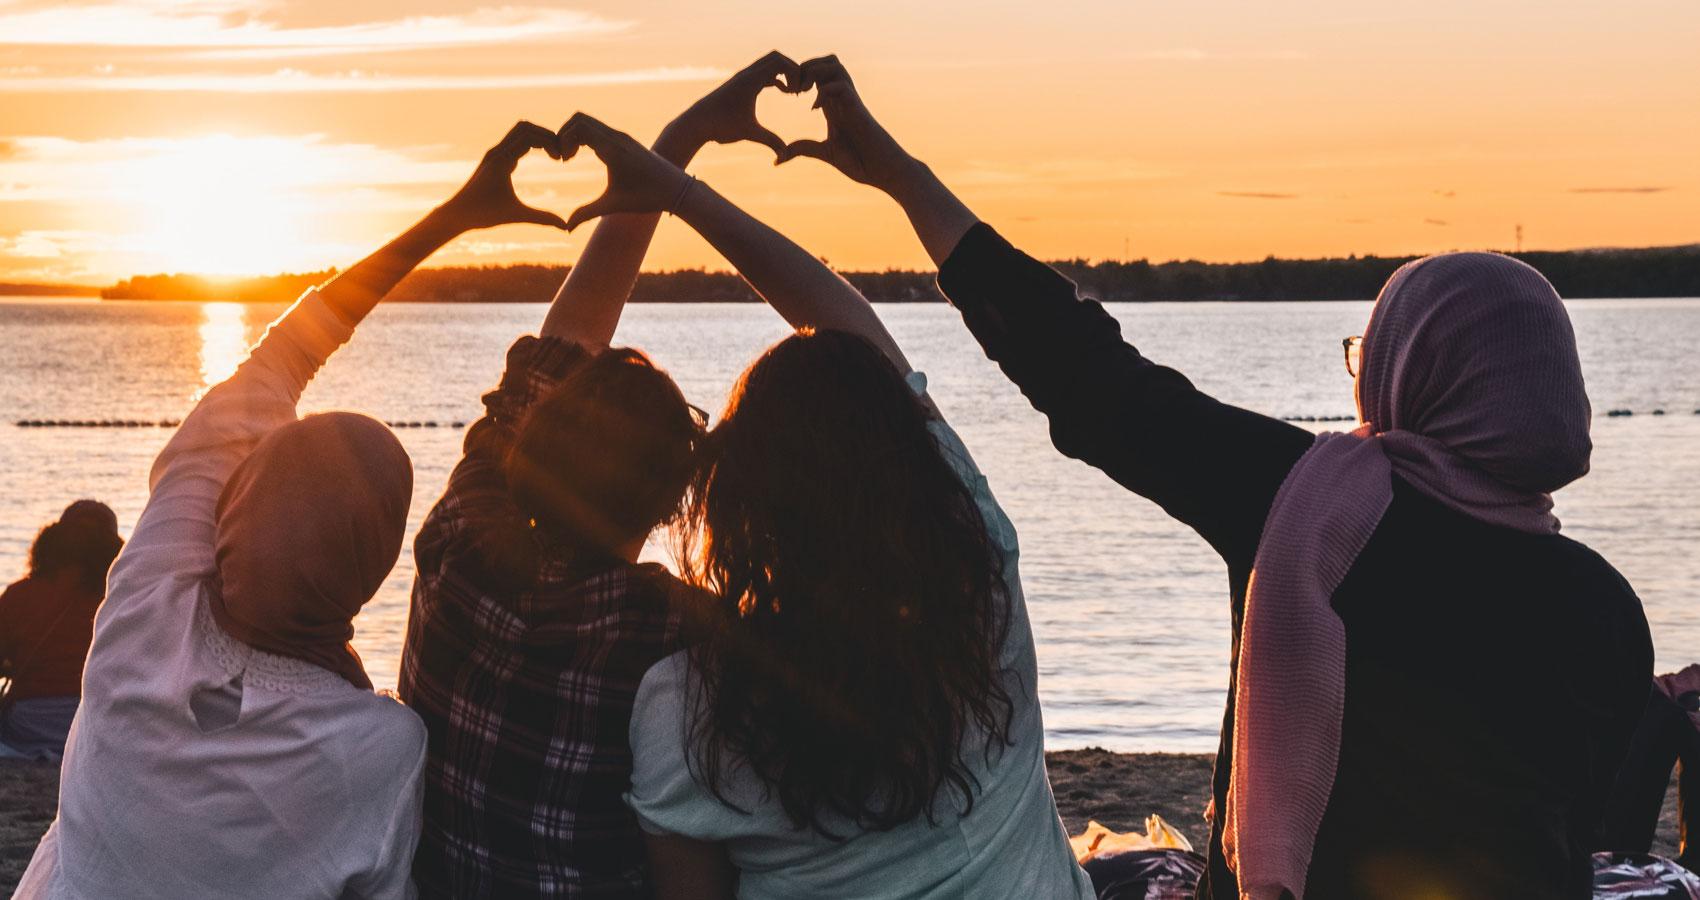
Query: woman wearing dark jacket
{"type": "Point", "coordinates": [1432, 688]}
{"type": "Point", "coordinates": [46, 623]}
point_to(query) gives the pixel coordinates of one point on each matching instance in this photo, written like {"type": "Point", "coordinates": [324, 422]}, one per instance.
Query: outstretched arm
{"type": "Point", "coordinates": [487, 199]}
{"type": "Point", "coordinates": [175, 533]}
{"type": "Point", "coordinates": [796, 284]}
{"type": "Point", "coordinates": [863, 150]}
{"type": "Point", "coordinates": [587, 307]}
{"type": "Point", "coordinates": [1211, 465]}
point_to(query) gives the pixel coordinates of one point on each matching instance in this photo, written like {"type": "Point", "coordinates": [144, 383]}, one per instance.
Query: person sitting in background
{"type": "Point", "coordinates": [861, 717]}
{"type": "Point", "coordinates": [46, 623]}
{"type": "Point", "coordinates": [532, 622]}
{"type": "Point", "coordinates": [1386, 585]}
{"type": "Point", "coordinates": [229, 742]}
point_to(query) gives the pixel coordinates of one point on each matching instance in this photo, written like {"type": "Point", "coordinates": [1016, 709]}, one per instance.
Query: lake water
{"type": "Point", "coordinates": [1130, 608]}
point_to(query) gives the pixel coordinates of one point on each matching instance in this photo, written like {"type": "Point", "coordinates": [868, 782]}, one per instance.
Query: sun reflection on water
{"type": "Point", "coordinates": [224, 341]}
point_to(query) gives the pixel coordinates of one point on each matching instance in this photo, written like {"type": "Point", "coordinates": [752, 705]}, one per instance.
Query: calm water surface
{"type": "Point", "coordinates": [1130, 609]}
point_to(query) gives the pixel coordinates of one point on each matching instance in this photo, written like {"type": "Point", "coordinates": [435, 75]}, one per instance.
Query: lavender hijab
{"type": "Point", "coordinates": [1471, 391]}
{"type": "Point", "coordinates": [309, 525]}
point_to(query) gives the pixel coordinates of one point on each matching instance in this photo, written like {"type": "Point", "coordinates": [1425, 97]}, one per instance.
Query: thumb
{"type": "Point", "coordinates": [771, 141]}
{"type": "Point", "coordinates": [541, 217]}
{"type": "Point", "coordinates": [811, 149]}
{"type": "Point", "coordinates": [595, 209]}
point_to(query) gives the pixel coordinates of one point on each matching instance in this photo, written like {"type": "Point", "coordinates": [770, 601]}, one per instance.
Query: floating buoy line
{"type": "Point", "coordinates": [173, 423]}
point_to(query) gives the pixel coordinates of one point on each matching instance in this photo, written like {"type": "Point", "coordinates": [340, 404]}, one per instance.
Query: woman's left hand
{"type": "Point", "coordinates": [639, 181]}
{"type": "Point", "coordinates": [727, 114]}
{"type": "Point", "coordinates": [488, 199]}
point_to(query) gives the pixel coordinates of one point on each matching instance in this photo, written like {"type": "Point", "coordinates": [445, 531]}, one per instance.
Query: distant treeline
{"type": "Point", "coordinates": [1654, 272]}
{"type": "Point", "coordinates": [11, 289]}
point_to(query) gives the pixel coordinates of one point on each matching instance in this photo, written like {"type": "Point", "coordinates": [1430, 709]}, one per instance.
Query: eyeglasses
{"type": "Point", "coordinates": [1354, 348]}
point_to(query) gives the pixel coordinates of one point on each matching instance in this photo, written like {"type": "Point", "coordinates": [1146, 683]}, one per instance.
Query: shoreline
{"type": "Point", "coordinates": [1117, 790]}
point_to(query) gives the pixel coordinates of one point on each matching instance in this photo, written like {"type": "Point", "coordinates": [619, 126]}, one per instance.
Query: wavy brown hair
{"type": "Point", "coordinates": [605, 456]}
{"type": "Point", "coordinates": [853, 648]}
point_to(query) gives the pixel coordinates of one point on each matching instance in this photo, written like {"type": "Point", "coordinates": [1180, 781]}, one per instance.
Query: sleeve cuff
{"type": "Point", "coordinates": [534, 367]}
{"type": "Point", "coordinates": [313, 324]}
{"type": "Point", "coordinates": [970, 271]}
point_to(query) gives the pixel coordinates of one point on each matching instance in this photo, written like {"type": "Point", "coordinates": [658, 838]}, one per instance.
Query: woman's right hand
{"type": "Point", "coordinates": [639, 181]}
{"type": "Point", "coordinates": [855, 144]}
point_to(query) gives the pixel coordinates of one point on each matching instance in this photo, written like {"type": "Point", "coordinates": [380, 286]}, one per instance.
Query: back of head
{"type": "Point", "coordinates": [605, 457]}
{"type": "Point", "coordinates": [1476, 351]}
{"type": "Point", "coordinates": [862, 609]}
{"type": "Point", "coordinates": [82, 543]}
{"type": "Point", "coordinates": [309, 525]}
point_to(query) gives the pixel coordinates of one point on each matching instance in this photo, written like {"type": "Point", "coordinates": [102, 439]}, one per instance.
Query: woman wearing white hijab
{"type": "Point", "coordinates": [229, 743]}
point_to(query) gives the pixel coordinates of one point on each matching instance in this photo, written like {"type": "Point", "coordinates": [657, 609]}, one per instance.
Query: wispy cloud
{"type": "Point", "coordinates": [120, 170]}
{"type": "Point", "coordinates": [234, 26]}
{"type": "Point", "coordinates": [1194, 54]}
{"type": "Point", "coordinates": [1438, 223]}
{"type": "Point", "coordinates": [296, 81]}
{"type": "Point", "coordinates": [1256, 195]}
{"type": "Point", "coordinates": [1621, 190]}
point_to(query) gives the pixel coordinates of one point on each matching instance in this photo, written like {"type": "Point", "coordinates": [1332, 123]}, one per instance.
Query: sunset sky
{"type": "Point", "coordinates": [245, 136]}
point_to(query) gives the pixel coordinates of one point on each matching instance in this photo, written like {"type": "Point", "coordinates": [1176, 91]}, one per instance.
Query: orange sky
{"type": "Point", "coordinates": [249, 136]}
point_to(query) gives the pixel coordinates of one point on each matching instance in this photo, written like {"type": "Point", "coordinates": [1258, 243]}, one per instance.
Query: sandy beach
{"type": "Point", "coordinates": [1116, 789]}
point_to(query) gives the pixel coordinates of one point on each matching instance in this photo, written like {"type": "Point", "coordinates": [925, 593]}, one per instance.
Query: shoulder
{"type": "Point", "coordinates": [658, 712]}
{"type": "Point", "coordinates": [664, 685]}
{"type": "Point", "coordinates": [392, 731]}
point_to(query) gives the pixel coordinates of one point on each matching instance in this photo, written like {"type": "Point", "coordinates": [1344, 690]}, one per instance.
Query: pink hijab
{"type": "Point", "coordinates": [1471, 391]}
{"type": "Point", "coordinates": [308, 528]}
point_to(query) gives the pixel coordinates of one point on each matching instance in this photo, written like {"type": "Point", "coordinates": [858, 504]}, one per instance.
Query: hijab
{"type": "Point", "coordinates": [1470, 390]}
{"type": "Point", "coordinates": [309, 525]}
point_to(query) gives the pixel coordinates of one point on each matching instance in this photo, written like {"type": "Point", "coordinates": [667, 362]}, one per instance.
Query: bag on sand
{"type": "Point", "coordinates": [1642, 876]}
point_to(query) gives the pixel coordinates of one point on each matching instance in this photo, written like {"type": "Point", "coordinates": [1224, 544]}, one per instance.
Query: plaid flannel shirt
{"type": "Point", "coordinates": [526, 685]}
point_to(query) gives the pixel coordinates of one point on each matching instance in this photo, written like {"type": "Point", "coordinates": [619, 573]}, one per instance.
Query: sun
{"type": "Point", "coordinates": [224, 205]}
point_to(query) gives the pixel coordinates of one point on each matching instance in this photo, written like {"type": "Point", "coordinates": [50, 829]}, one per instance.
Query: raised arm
{"type": "Point", "coordinates": [178, 525]}
{"type": "Point", "coordinates": [587, 307]}
{"type": "Point", "coordinates": [793, 282]}
{"type": "Point", "coordinates": [1213, 466]}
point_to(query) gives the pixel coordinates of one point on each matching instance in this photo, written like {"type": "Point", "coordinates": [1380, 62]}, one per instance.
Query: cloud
{"type": "Point", "coordinates": [1256, 195]}
{"type": "Point", "coordinates": [120, 170]}
{"type": "Point", "coordinates": [1193, 54]}
{"type": "Point", "coordinates": [295, 81]}
{"type": "Point", "coordinates": [1621, 190]}
{"type": "Point", "coordinates": [234, 26]}
{"type": "Point", "coordinates": [1446, 194]}
{"type": "Point", "coordinates": [1438, 223]}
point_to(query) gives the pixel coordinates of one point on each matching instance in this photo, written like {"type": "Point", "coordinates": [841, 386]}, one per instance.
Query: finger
{"type": "Point", "coordinates": [822, 69]}
{"type": "Point", "coordinates": [532, 216]}
{"type": "Point", "coordinates": [769, 140]}
{"type": "Point", "coordinates": [781, 66]}
{"type": "Point", "coordinates": [523, 137]}
{"type": "Point", "coordinates": [595, 209]}
{"type": "Point", "coordinates": [539, 138]}
{"type": "Point", "coordinates": [574, 134]}
{"type": "Point", "coordinates": [812, 149]}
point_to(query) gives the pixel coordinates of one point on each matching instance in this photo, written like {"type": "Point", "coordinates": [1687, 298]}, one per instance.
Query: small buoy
{"type": "Point", "coordinates": [463, 424]}
{"type": "Point", "coordinates": [1619, 412]}
{"type": "Point", "coordinates": [1658, 412]}
{"type": "Point", "coordinates": [431, 424]}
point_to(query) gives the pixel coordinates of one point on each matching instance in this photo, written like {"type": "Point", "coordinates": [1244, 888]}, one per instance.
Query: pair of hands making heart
{"type": "Point", "coordinates": [641, 181]}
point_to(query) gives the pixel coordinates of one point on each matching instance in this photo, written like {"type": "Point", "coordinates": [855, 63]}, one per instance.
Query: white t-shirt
{"type": "Point", "coordinates": [1011, 845]}
{"type": "Point", "coordinates": [311, 789]}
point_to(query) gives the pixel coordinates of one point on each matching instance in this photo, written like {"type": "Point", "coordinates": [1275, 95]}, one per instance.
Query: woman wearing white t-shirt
{"type": "Point", "coordinates": [860, 716]}
{"type": "Point", "coordinates": [229, 743]}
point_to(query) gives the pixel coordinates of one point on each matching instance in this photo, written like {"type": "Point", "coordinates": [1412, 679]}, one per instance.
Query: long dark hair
{"type": "Point", "coordinates": [854, 645]}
